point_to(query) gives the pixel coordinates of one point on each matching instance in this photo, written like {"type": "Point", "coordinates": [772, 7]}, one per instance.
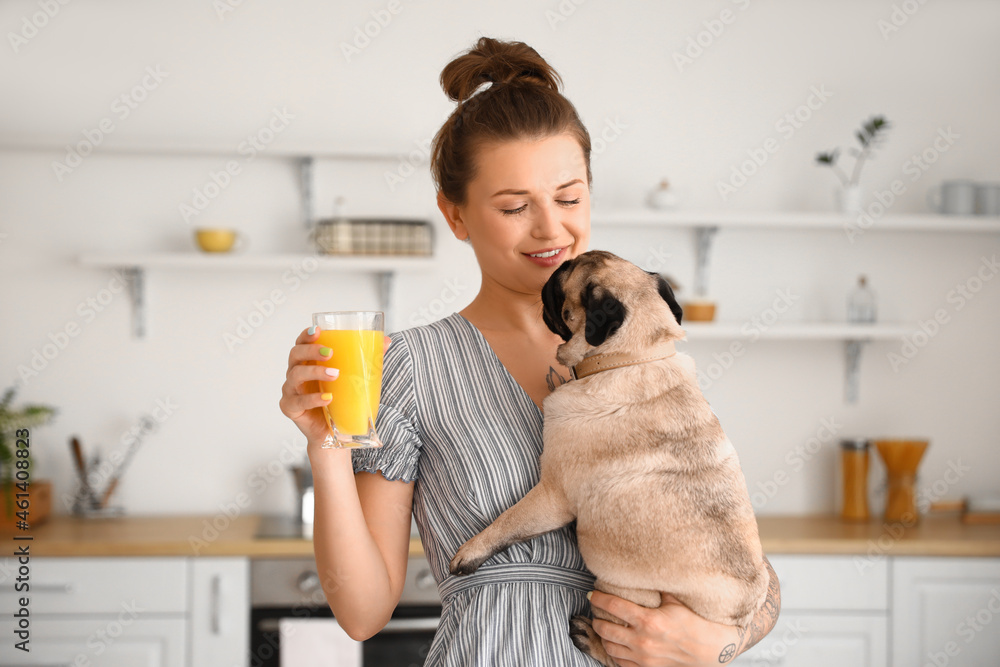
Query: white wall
{"type": "Point", "coordinates": [694, 124]}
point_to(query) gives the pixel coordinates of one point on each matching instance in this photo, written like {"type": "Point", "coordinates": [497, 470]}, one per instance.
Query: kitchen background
{"type": "Point", "coordinates": [683, 91]}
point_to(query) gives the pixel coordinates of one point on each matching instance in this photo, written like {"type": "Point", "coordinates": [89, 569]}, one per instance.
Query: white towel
{"type": "Point", "coordinates": [317, 642]}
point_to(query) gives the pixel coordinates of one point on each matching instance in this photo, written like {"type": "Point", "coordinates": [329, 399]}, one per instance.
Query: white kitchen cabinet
{"type": "Point", "coordinates": [220, 612]}
{"type": "Point", "coordinates": [98, 641]}
{"type": "Point", "coordinates": [130, 612]}
{"type": "Point", "coordinates": [833, 612]}
{"type": "Point", "coordinates": [946, 611]}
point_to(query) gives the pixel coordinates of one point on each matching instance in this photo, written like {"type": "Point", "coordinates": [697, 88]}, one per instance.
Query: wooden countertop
{"type": "Point", "coordinates": [937, 535]}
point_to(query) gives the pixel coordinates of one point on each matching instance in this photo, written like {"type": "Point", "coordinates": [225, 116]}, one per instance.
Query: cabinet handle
{"type": "Point", "coordinates": [216, 585]}
{"type": "Point", "coordinates": [52, 588]}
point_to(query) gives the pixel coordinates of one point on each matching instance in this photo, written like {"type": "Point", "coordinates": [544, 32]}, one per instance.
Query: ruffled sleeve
{"type": "Point", "coordinates": [396, 423]}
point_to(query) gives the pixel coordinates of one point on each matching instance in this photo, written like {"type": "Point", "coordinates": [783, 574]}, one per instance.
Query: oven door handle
{"type": "Point", "coordinates": [395, 625]}
{"type": "Point", "coordinates": [412, 624]}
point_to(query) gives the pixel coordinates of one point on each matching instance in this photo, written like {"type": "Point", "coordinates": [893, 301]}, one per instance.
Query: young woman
{"type": "Point", "coordinates": [461, 409]}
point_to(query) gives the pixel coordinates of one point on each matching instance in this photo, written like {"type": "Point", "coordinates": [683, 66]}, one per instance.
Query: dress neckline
{"type": "Point", "coordinates": [501, 369]}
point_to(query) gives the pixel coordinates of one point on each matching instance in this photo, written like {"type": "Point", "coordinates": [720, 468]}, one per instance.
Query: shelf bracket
{"type": "Point", "coordinates": [703, 239]}
{"type": "Point", "coordinates": [384, 281]}
{"type": "Point", "coordinates": [852, 353]}
{"type": "Point", "coordinates": [307, 191]}
{"type": "Point", "coordinates": [135, 277]}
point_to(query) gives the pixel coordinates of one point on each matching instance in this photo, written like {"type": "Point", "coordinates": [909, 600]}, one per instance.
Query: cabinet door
{"type": "Point", "coordinates": [822, 640]}
{"type": "Point", "coordinates": [98, 641]}
{"type": "Point", "coordinates": [220, 611]}
{"type": "Point", "coordinates": [946, 611]}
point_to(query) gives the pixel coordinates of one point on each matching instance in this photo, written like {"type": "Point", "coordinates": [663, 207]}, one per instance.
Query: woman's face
{"type": "Point", "coordinates": [527, 211]}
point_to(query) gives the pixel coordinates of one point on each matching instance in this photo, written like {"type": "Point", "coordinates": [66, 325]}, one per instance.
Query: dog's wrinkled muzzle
{"type": "Point", "coordinates": [553, 297]}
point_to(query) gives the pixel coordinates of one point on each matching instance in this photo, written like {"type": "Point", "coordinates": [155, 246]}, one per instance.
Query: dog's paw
{"type": "Point", "coordinates": [466, 560]}
{"type": "Point", "coordinates": [581, 631]}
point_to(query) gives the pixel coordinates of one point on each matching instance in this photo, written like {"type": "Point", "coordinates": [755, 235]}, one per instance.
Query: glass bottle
{"type": "Point", "coordinates": [854, 471]}
{"type": "Point", "coordinates": [861, 303]}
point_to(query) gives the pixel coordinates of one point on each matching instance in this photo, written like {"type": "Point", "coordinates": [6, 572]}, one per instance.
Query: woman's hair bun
{"type": "Point", "coordinates": [496, 61]}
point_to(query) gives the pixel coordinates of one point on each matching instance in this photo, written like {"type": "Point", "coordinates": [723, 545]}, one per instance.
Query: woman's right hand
{"type": "Point", "coordinates": [301, 399]}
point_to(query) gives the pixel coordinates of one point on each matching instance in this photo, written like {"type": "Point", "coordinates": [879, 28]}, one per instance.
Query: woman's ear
{"type": "Point", "coordinates": [453, 217]}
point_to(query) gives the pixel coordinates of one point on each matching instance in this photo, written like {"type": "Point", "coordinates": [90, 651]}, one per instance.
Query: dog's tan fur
{"type": "Point", "coordinates": [638, 458]}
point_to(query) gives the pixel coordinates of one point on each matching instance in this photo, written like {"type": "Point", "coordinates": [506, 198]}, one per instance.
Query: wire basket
{"type": "Point", "coordinates": [373, 236]}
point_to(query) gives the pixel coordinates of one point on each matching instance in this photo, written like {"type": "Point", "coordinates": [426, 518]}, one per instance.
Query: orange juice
{"type": "Point", "coordinates": [356, 391]}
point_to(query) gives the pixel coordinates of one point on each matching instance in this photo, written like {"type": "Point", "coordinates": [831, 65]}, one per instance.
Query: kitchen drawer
{"type": "Point", "coordinates": [99, 585]}
{"type": "Point", "coordinates": [802, 639]}
{"type": "Point", "coordinates": [124, 641]}
{"type": "Point", "coordinates": [832, 583]}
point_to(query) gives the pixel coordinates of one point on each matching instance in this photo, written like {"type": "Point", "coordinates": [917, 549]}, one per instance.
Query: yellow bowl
{"type": "Point", "coordinates": [698, 311]}
{"type": "Point", "coordinates": [215, 240]}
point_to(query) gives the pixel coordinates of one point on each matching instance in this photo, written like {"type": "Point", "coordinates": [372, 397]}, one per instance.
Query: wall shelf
{"type": "Point", "coordinates": [199, 148]}
{"type": "Point", "coordinates": [706, 225]}
{"type": "Point", "coordinates": [853, 336]}
{"type": "Point", "coordinates": [134, 266]}
{"type": "Point", "coordinates": [303, 154]}
{"type": "Point", "coordinates": [818, 331]}
{"type": "Point", "coordinates": [792, 220]}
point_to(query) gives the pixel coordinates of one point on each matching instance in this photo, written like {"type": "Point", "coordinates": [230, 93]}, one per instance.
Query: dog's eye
{"type": "Point", "coordinates": [566, 313]}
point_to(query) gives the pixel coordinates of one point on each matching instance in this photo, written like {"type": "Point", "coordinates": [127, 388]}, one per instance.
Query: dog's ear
{"type": "Point", "coordinates": [553, 298]}
{"type": "Point", "coordinates": [605, 314]}
{"type": "Point", "coordinates": [668, 295]}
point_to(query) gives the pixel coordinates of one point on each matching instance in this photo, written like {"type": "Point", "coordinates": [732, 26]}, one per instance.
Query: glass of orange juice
{"type": "Point", "coordinates": [357, 341]}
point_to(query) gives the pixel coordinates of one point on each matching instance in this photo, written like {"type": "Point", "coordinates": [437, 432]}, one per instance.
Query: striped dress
{"type": "Point", "coordinates": [452, 418]}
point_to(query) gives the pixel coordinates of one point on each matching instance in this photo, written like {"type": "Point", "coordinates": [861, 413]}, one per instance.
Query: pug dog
{"type": "Point", "coordinates": [633, 453]}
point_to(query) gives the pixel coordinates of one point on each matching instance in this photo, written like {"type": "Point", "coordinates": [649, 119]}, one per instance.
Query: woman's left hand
{"type": "Point", "coordinates": [671, 634]}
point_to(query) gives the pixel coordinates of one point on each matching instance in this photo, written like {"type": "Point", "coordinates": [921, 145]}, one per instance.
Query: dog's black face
{"type": "Point", "coordinates": [595, 286]}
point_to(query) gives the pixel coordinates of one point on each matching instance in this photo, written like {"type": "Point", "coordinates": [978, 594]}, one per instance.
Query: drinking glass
{"type": "Point", "coordinates": [357, 340]}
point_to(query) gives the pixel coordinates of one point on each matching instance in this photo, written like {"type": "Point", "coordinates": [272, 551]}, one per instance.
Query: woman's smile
{"type": "Point", "coordinates": [547, 257]}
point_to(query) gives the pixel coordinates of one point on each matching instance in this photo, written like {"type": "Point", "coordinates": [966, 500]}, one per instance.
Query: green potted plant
{"type": "Point", "coordinates": [869, 135]}
{"type": "Point", "coordinates": [40, 492]}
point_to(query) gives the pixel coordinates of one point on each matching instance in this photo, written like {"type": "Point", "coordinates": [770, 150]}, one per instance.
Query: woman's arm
{"type": "Point", "coordinates": [763, 622]}
{"type": "Point", "coordinates": [361, 539]}
{"type": "Point", "coordinates": [672, 634]}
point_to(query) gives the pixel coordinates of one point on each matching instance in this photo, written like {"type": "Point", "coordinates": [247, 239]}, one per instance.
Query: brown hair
{"type": "Point", "coordinates": [523, 102]}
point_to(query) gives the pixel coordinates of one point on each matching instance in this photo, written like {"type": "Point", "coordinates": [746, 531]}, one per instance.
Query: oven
{"type": "Point", "coordinates": [289, 588]}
